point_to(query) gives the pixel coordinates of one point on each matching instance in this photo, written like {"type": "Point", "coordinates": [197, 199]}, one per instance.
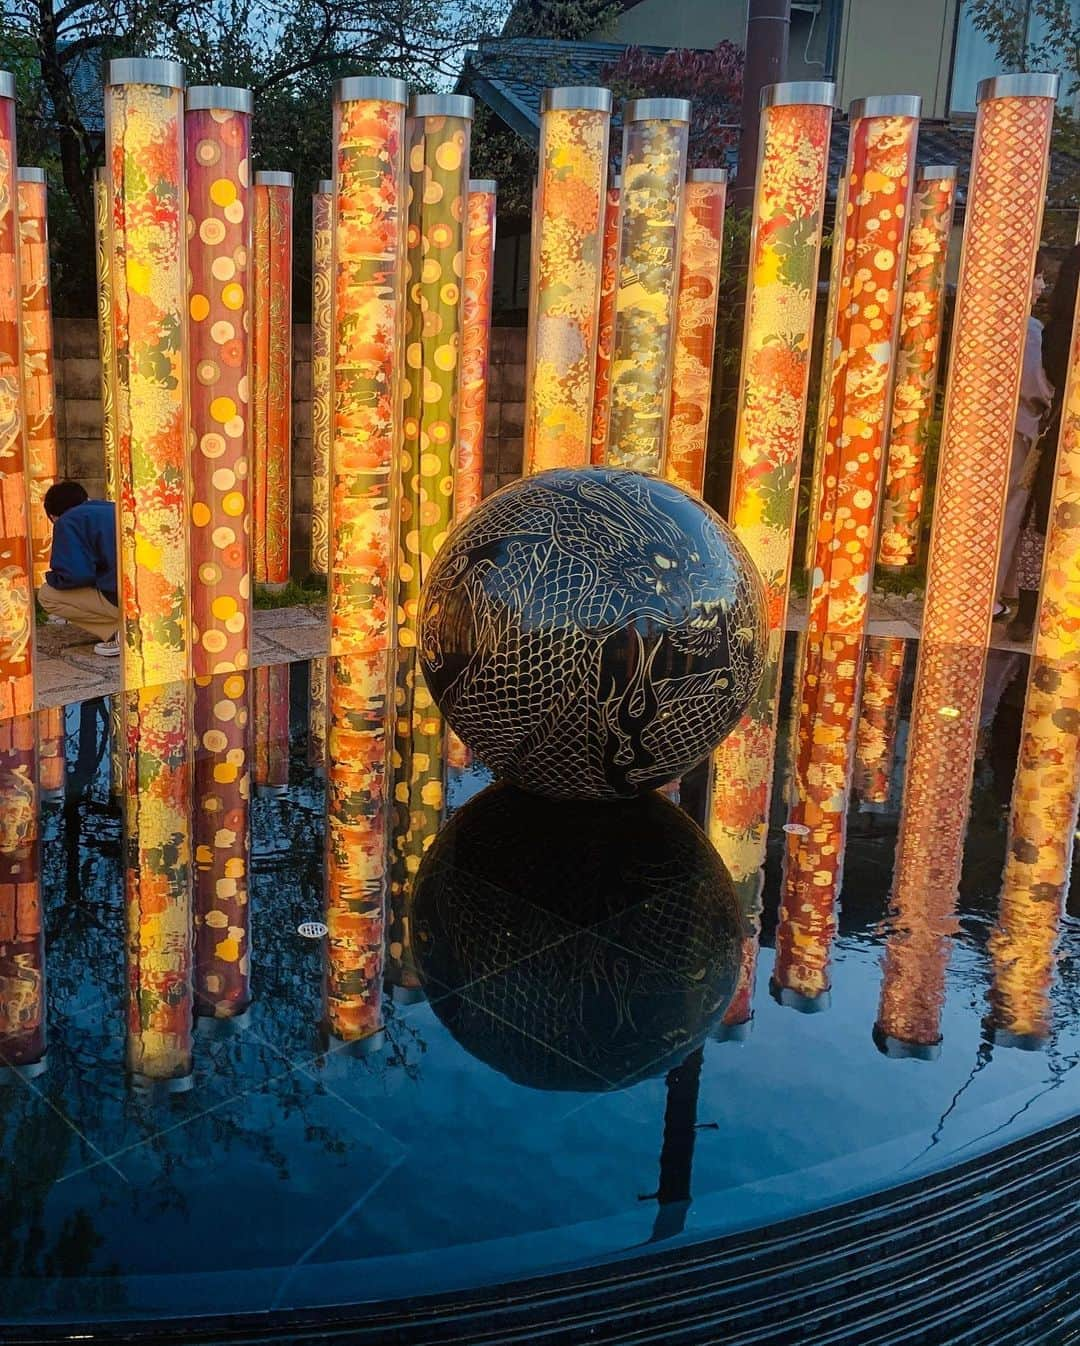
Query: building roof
{"type": "Point", "coordinates": [509, 75]}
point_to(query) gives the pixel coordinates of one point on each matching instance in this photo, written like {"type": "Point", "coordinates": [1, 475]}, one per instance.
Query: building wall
{"type": "Point", "coordinates": [680, 23]}
{"type": "Point", "coordinates": [888, 48]}
{"type": "Point", "coordinates": [78, 390]}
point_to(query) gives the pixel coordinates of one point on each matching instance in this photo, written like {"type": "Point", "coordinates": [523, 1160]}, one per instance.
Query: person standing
{"type": "Point", "coordinates": [80, 584]}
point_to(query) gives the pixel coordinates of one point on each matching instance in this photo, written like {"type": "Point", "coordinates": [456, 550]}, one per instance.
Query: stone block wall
{"type": "Point", "coordinates": [78, 391]}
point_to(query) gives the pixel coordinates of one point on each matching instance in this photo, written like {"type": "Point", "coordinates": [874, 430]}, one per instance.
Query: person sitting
{"type": "Point", "coordinates": [80, 584]}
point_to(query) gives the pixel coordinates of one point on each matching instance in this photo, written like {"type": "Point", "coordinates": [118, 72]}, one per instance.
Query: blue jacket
{"type": "Point", "coordinates": [84, 549]}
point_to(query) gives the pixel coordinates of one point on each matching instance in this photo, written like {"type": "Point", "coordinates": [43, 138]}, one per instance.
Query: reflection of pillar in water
{"type": "Point", "coordinates": [22, 933]}
{"type": "Point", "coordinates": [144, 133]}
{"type": "Point", "coordinates": [51, 760]}
{"type": "Point", "coordinates": [271, 405]}
{"type": "Point", "coordinates": [271, 706]}
{"type": "Point", "coordinates": [605, 327]}
{"type": "Point", "coordinates": [565, 278]}
{"type": "Point", "coordinates": [780, 298]}
{"type": "Point", "coordinates": [356, 849]}
{"type": "Point", "coordinates": [39, 384]}
{"type": "Point", "coordinates": [16, 564]}
{"type": "Point", "coordinates": [322, 281]}
{"type": "Point", "coordinates": [116, 746]}
{"type": "Point", "coordinates": [673, 1196]}
{"type": "Point", "coordinates": [656, 134]}
{"type": "Point", "coordinates": [158, 883]}
{"type": "Point", "coordinates": [217, 134]}
{"type": "Point", "coordinates": [1046, 791]}
{"type": "Point", "coordinates": [813, 865]}
{"type": "Point", "coordinates": [103, 246]}
{"type": "Point", "coordinates": [695, 331]}
{"type": "Point", "coordinates": [222, 844]}
{"type": "Point", "coordinates": [917, 356]}
{"type": "Point", "coordinates": [475, 347]}
{"type": "Point", "coordinates": [317, 693]}
{"type": "Point", "coordinates": [879, 715]}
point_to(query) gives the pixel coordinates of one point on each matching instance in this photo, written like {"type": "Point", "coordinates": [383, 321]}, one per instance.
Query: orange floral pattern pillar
{"type": "Point", "coordinates": [475, 347]}
{"type": "Point", "coordinates": [272, 371]}
{"type": "Point", "coordinates": [565, 280]}
{"type": "Point", "coordinates": [51, 752]}
{"type": "Point", "coordinates": [39, 383]}
{"type": "Point", "coordinates": [656, 133]}
{"type": "Point", "coordinates": [322, 280]}
{"type": "Point", "coordinates": [16, 564]}
{"type": "Point", "coordinates": [103, 252]}
{"type": "Point", "coordinates": [695, 327]}
{"type": "Point", "coordinates": [144, 134]}
{"type": "Point", "coordinates": [217, 132]}
{"type": "Point", "coordinates": [1046, 791]}
{"type": "Point", "coordinates": [780, 298]}
{"type": "Point", "coordinates": [879, 713]}
{"type": "Point", "coordinates": [158, 884]}
{"type": "Point", "coordinates": [22, 931]}
{"type": "Point", "coordinates": [605, 330]}
{"type": "Point", "coordinates": [370, 214]}
{"type": "Point", "coordinates": [917, 357]}
{"type": "Point", "coordinates": [221, 838]}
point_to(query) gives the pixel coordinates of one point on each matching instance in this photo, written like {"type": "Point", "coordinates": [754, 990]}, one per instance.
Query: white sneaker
{"type": "Point", "coordinates": [109, 648]}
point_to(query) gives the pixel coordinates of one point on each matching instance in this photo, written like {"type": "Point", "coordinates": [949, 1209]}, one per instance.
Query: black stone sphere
{"type": "Point", "coordinates": [576, 946]}
{"type": "Point", "coordinates": [592, 633]}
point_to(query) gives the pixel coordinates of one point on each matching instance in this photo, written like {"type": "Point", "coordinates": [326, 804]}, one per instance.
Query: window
{"type": "Point", "coordinates": [976, 58]}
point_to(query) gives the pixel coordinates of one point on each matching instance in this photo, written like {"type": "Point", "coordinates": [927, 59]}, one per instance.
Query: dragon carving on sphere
{"type": "Point", "coordinates": [592, 632]}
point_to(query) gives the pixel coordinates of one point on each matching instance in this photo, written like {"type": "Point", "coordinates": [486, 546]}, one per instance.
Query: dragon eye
{"type": "Point", "coordinates": [664, 562]}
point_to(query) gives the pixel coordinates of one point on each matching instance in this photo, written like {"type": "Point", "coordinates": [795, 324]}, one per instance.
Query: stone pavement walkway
{"type": "Point", "coordinates": [69, 670]}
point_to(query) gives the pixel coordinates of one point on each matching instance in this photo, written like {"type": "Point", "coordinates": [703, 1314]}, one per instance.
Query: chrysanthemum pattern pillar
{"type": "Point", "coordinates": [475, 347]}
{"type": "Point", "coordinates": [1046, 790]}
{"type": "Point", "coordinates": [16, 567]}
{"type": "Point", "coordinates": [22, 930]}
{"type": "Point", "coordinates": [221, 838]}
{"type": "Point", "coordinates": [144, 133]}
{"type": "Point", "coordinates": [158, 883]}
{"type": "Point", "coordinates": [780, 299]}
{"type": "Point", "coordinates": [605, 330]}
{"type": "Point", "coordinates": [322, 280]}
{"type": "Point", "coordinates": [695, 327]}
{"type": "Point", "coordinates": [272, 372]}
{"type": "Point", "coordinates": [370, 212]}
{"type": "Point", "coordinates": [879, 713]}
{"type": "Point", "coordinates": [917, 357]}
{"type": "Point", "coordinates": [217, 129]}
{"type": "Point", "coordinates": [564, 293]}
{"type": "Point", "coordinates": [656, 135]}
{"type": "Point", "coordinates": [106, 333]}
{"type": "Point", "coordinates": [38, 357]}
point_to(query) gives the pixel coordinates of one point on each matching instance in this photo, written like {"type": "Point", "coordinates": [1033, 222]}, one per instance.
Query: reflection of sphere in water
{"type": "Point", "coordinates": [592, 633]}
{"type": "Point", "coordinates": [584, 945]}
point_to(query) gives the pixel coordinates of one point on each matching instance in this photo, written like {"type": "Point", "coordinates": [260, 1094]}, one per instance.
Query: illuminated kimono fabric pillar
{"type": "Point", "coordinates": [158, 882]}
{"type": "Point", "coordinates": [773, 381]}
{"type": "Point", "coordinates": [217, 131]}
{"type": "Point", "coordinates": [144, 135]}
{"type": "Point", "coordinates": [605, 330]}
{"type": "Point", "coordinates": [695, 327]}
{"type": "Point", "coordinates": [475, 347]}
{"type": "Point", "coordinates": [272, 393]}
{"type": "Point", "coordinates": [369, 329]}
{"type": "Point", "coordinates": [656, 133]}
{"type": "Point", "coordinates": [271, 772]}
{"type": "Point", "coordinates": [16, 562]}
{"type": "Point", "coordinates": [221, 837]}
{"type": "Point", "coordinates": [565, 279]}
{"type": "Point", "coordinates": [1003, 219]}
{"type": "Point", "coordinates": [106, 331]}
{"type": "Point", "coordinates": [1046, 790]}
{"type": "Point", "coordinates": [917, 356]}
{"type": "Point", "coordinates": [322, 279]}
{"type": "Point", "coordinates": [879, 711]}
{"type": "Point", "coordinates": [51, 750]}
{"type": "Point", "coordinates": [317, 691]}
{"type": "Point", "coordinates": [39, 384]}
{"type": "Point", "coordinates": [22, 932]}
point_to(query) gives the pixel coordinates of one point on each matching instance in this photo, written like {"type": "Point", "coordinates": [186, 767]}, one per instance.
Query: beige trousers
{"type": "Point", "coordinates": [87, 608]}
